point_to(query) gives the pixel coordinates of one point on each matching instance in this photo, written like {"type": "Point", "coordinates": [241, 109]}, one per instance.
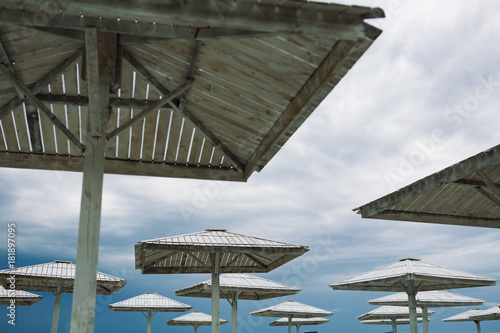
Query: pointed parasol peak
{"type": "Point", "coordinates": [412, 276]}
{"type": "Point", "coordinates": [17, 297]}
{"type": "Point", "coordinates": [149, 303]}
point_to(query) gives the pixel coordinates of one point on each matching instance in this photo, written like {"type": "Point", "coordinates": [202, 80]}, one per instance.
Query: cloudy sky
{"type": "Point", "coordinates": [429, 86]}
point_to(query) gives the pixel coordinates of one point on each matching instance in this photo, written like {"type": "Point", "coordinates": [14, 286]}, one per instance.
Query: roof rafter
{"type": "Point", "coordinates": [32, 114]}
{"type": "Point", "coordinates": [184, 112]}
{"type": "Point", "coordinates": [42, 83]}
{"type": "Point", "coordinates": [32, 97]}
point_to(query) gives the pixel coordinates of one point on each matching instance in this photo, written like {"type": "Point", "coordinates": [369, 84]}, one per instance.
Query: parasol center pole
{"type": "Point", "coordinates": [478, 325]}
{"type": "Point", "coordinates": [234, 312]}
{"type": "Point", "coordinates": [150, 315]}
{"type": "Point", "coordinates": [195, 328]}
{"type": "Point", "coordinates": [425, 318]}
{"type": "Point", "coordinates": [290, 317]}
{"type": "Point", "coordinates": [99, 50]}
{"type": "Point", "coordinates": [298, 328]}
{"type": "Point", "coordinates": [394, 325]}
{"type": "Point", "coordinates": [215, 261]}
{"type": "Point", "coordinates": [412, 305]}
{"type": "Point", "coordinates": [57, 308]}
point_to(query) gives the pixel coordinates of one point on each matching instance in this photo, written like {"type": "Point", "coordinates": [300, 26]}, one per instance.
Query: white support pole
{"type": "Point", "coordinates": [149, 321]}
{"type": "Point", "coordinates": [478, 325]}
{"type": "Point", "coordinates": [195, 328]}
{"type": "Point", "coordinates": [234, 311]}
{"type": "Point", "coordinates": [412, 304]}
{"type": "Point", "coordinates": [57, 308]}
{"type": "Point", "coordinates": [425, 318]}
{"type": "Point", "coordinates": [290, 317]}
{"type": "Point", "coordinates": [298, 328]}
{"type": "Point", "coordinates": [394, 325]}
{"type": "Point", "coordinates": [87, 252]}
{"type": "Point", "coordinates": [215, 292]}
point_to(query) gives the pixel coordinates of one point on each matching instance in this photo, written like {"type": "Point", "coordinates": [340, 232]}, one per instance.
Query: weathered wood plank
{"type": "Point", "coordinates": [206, 154]}
{"type": "Point", "coordinates": [10, 133]}
{"type": "Point", "coordinates": [185, 142]}
{"type": "Point", "coordinates": [161, 138]}
{"type": "Point", "coordinates": [114, 166]}
{"type": "Point", "coordinates": [173, 138]}
{"type": "Point", "coordinates": [22, 130]}
{"type": "Point", "coordinates": [149, 136]}
{"type": "Point", "coordinates": [301, 101]}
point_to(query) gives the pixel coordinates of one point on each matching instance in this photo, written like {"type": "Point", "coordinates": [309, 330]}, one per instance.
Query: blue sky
{"type": "Point", "coordinates": [423, 97]}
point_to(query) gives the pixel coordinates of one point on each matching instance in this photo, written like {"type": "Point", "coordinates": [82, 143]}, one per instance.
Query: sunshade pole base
{"type": "Point", "coordinates": [215, 258]}
{"type": "Point", "coordinates": [298, 328]}
{"type": "Point", "coordinates": [57, 308]}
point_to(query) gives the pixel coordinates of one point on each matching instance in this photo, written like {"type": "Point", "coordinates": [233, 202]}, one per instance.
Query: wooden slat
{"type": "Point", "coordinates": [10, 133]}
{"type": "Point", "coordinates": [74, 126]}
{"type": "Point", "coordinates": [137, 128]}
{"type": "Point", "coordinates": [110, 151]}
{"type": "Point", "coordinates": [206, 154]}
{"type": "Point", "coordinates": [187, 132]}
{"type": "Point", "coordinates": [22, 130]}
{"type": "Point", "coordinates": [196, 148]}
{"type": "Point", "coordinates": [149, 136]}
{"type": "Point", "coordinates": [161, 138]}
{"type": "Point", "coordinates": [49, 141]}
{"type": "Point", "coordinates": [173, 139]}
{"type": "Point", "coordinates": [3, 147]}
{"type": "Point", "coordinates": [59, 111]}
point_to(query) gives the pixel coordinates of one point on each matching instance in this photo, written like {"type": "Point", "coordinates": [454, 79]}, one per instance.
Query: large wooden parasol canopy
{"type": "Point", "coordinates": [189, 89]}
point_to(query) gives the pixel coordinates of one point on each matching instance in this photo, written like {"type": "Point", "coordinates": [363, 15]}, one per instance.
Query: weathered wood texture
{"type": "Point", "coordinates": [466, 193]}
{"type": "Point", "coordinates": [254, 83]}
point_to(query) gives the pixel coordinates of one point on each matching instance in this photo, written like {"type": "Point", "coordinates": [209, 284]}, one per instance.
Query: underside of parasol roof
{"type": "Point", "coordinates": [191, 253]}
{"type": "Point", "coordinates": [431, 277]}
{"type": "Point", "coordinates": [466, 193]}
{"type": "Point", "coordinates": [194, 318]}
{"type": "Point", "coordinates": [20, 297]}
{"type": "Point", "coordinates": [57, 277]}
{"type": "Point", "coordinates": [390, 311]}
{"type": "Point", "coordinates": [248, 287]}
{"type": "Point", "coordinates": [292, 308]}
{"type": "Point", "coordinates": [197, 89]}
{"type": "Point", "coordinates": [150, 302]}
{"type": "Point", "coordinates": [433, 298]}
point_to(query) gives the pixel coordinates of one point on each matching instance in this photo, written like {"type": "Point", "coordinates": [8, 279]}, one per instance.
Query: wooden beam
{"type": "Point", "coordinates": [488, 195]}
{"type": "Point", "coordinates": [318, 80]}
{"type": "Point", "coordinates": [314, 19]}
{"type": "Point", "coordinates": [32, 114]}
{"type": "Point", "coordinates": [87, 252]}
{"type": "Point", "coordinates": [32, 97]}
{"type": "Point", "coordinates": [167, 99]}
{"type": "Point", "coordinates": [132, 32]}
{"type": "Point", "coordinates": [119, 167]}
{"type": "Point", "coordinates": [491, 185]}
{"type": "Point", "coordinates": [409, 216]}
{"type": "Point", "coordinates": [42, 83]}
{"type": "Point", "coordinates": [84, 101]}
{"type": "Point", "coordinates": [451, 174]}
{"type": "Point", "coordinates": [185, 112]}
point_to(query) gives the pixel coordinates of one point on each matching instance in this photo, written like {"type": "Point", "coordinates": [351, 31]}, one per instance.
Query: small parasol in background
{"type": "Point", "coordinates": [298, 322]}
{"type": "Point", "coordinates": [195, 319]}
